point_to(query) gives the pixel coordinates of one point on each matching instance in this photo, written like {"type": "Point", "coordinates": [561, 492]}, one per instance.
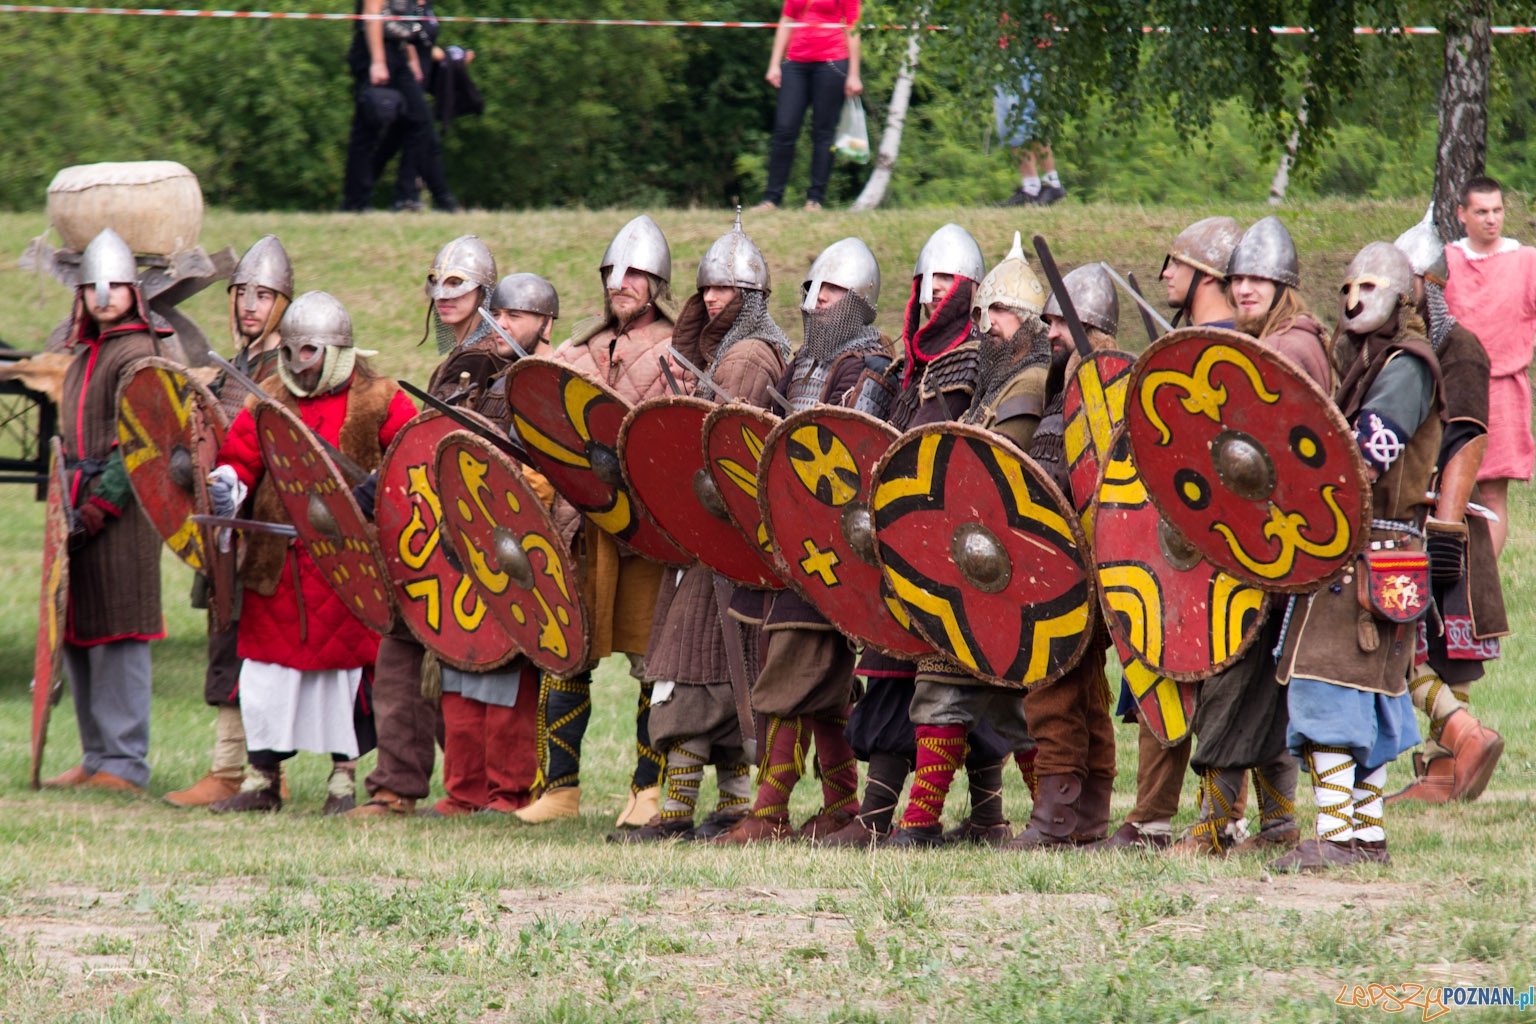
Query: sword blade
{"type": "Point", "coordinates": [1147, 323]}
{"type": "Point", "coordinates": [1068, 311]}
{"type": "Point", "coordinates": [502, 444]}
{"type": "Point", "coordinates": [502, 334]}
{"type": "Point", "coordinates": [247, 525]}
{"type": "Point", "coordinates": [703, 378]}
{"type": "Point", "coordinates": [1141, 303]}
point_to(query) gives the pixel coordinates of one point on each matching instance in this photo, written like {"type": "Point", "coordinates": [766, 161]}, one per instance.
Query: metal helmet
{"type": "Point", "coordinates": [1093, 296]}
{"type": "Point", "coordinates": [733, 261]}
{"type": "Point", "coordinates": [105, 262]}
{"type": "Point", "coordinates": [1421, 244]}
{"type": "Point", "coordinates": [1207, 245]}
{"type": "Point", "coordinates": [466, 258]}
{"type": "Point", "coordinates": [1011, 284]}
{"type": "Point", "coordinates": [264, 265]}
{"type": "Point", "coordinates": [639, 245]}
{"type": "Point", "coordinates": [1266, 251]}
{"type": "Point", "coordinates": [847, 263]}
{"type": "Point", "coordinates": [949, 250]}
{"type": "Point", "coordinates": [528, 293]}
{"type": "Point", "coordinates": [318, 320]}
{"type": "Point", "coordinates": [1375, 281]}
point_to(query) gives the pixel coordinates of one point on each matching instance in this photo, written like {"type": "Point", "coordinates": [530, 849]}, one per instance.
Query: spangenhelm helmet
{"type": "Point", "coordinates": [1266, 251]}
{"type": "Point", "coordinates": [264, 265]}
{"type": "Point", "coordinates": [528, 293]}
{"type": "Point", "coordinates": [1376, 280]}
{"type": "Point", "coordinates": [733, 261]}
{"type": "Point", "coordinates": [639, 245]}
{"type": "Point", "coordinates": [1093, 297]}
{"type": "Point", "coordinates": [107, 261]}
{"type": "Point", "coordinates": [1011, 284]}
{"type": "Point", "coordinates": [1421, 244]}
{"type": "Point", "coordinates": [1207, 245]}
{"type": "Point", "coordinates": [949, 250]}
{"type": "Point", "coordinates": [466, 258]}
{"type": "Point", "coordinates": [847, 263]}
{"type": "Point", "coordinates": [317, 335]}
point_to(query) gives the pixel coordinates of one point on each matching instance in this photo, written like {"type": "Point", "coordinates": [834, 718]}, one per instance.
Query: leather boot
{"type": "Point", "coordinates": [341, 788]}
{"type": "Point", "coordinates": [825, 823]}
{"type": "Point", "coordinates": [997, 834]}
{"type": "Point", "coordinates": [1432, 781]}
{"type": "Point", "coordinates": [1054, 817]}
{"type": "Point", "coordinates": [856, 833]}
{"type": "Point", "coordinates": [384, 804]}
{"type": "Point", "coordinates": [1093, 809]}
{"type": "Point", "coordinates": [717, 823]}
{"type": "Point", "coordinates": [209, 789]}
{"type": "Point", "coordinates": [553, 805]}
{"type": "Point", "coordinates": [754, 829]}
{"type": "Point", "coordinates": [1476, 749]}
{"type": "Point", "coordinates": [642, 806]}
{"type": "Point", "coordinates": [915, 837]}
{"type": "Point", "coordinates": [261, 791]}
{"type": "Point", "coordinates": [1210, 836]}
{"type": "Point", "coordinates": [657, 830]}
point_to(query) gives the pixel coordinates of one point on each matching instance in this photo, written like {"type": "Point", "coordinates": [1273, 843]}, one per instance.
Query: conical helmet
{"type": "Point", "coordinates": [1266, 251]}
{"type": "Point", "coordinates": [105, 262]}
{"type": "Point", "coordinates": [847, 263]}
{"type": "Point", "coordinates": [733, 261]}
{"type": "Point", "coordinates": [1011, 284]}
{"type": "Point", "coordinates": [1421, 244]}
{"type": "Point", "coordinates": [264, 265]}
{"type": "Point", "coordinates": [949, 250]}
{"type": "Point", "coordinates": [1375, 281]}
{"type": "Point", "coordinates": [466, 258]}
{"type": "Point", "coordinates": [639, 245]}
{"type": "Point", "coordinates": [528, 293]}
{"type": "Point", "coordinates": [1093, 296]}
{"type": "Point", "coordinates": [1207, 245]}
{"type": "Point", "coordinates": [319, 319]}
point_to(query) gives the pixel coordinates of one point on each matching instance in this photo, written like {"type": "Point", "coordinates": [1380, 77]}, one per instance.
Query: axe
{"type": "Point", "coordinates": [1068, 311]}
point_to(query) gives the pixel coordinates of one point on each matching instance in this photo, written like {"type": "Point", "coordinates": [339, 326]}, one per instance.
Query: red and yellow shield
{"type": "Point", "coordinates": [570, 426]}
{"type": "Point", "coordinates": [1166, 705]}
{"type": "Point", "coordinates": [1164, 604]}
{"type": "Point", "coordinates": [661, 447]}
{"type": "Point", "coordinates": [320, 505]}
{"type": "Point", "coordinates": [169, 431]}
{"type": "Point", "coordinates": [984, 552]}
{"type": "Point", "coordinates": [1093, 406]}
{"type": "Point", "coordinates": [436, 599]}
{"type": "Point", "coordinates": [734, 436]}
{"type": "Point", "coordinates": [814, 484]}
{"type": "Point", "coordinates": [52, 610]}
{"type": "Point", "coordinates": [1247, 458]}
{"type": "Point", "coordinates": [507, 543]}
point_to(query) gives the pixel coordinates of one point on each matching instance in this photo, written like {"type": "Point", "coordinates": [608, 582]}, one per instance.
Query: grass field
{"type": "Point", "coordinates": [118, 909]}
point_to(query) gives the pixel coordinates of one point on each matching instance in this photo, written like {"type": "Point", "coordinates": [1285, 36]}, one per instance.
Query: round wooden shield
{"type": "Point", "coordinates": [661, 447]}
{"type": "Point", "coordinates": [1166, 705]}
{"type": "Point", "coordinates": [1247, 458]}
{"type": "Point", "coordinates": [436, 599]}
{"type": "Point", "coordinates": [570, 425]}
{"type": "Point", "coordinates": [985, 553]}
{"type": "Point", "coordinates": [1092, 408]}
{"type": "Point", "coordinates": [169, 431]}
{"type": "Point", "coordinates": [733, 445]}
{"type": "Point", "coordinates": [320, 505]}
{"type": "Point", "coordinates": [813, 488]}
{"type": "Point", "coordinates": [52, 609]}
{"type": "Point", "coordinates": [1165, 604]}
{"type": "Point", "coordinates": [505, 539]}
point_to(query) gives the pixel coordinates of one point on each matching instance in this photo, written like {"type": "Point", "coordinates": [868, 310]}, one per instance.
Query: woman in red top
{"type": "Point", "coordinates": [816, 65]}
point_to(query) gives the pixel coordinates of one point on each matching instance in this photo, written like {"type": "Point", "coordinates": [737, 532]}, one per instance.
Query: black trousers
{"type": "Point", "coordinates": [412, 133]}
{"type": "Point", "coordinates": [814, 84]}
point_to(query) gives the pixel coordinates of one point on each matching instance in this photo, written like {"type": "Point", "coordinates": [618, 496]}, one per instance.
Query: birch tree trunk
{"type": "Point", "coordinates": [890, 140]}
{"type": "Point", "coordinates": [1282, 179]}
{"type": "Point", "coordinates": [1463, 145]}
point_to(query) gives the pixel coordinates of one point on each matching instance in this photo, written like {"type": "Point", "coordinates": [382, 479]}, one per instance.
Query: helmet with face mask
{"type": "Point", "coordinates": [107, 261]}
{"type": "Point", "coordinates": [317, 336]}
{"type": "Point", "coordinates": [639, 245]}
{"type": "Point", "coordinates": [465, 258]}
{"type": "Point", "coordinates": [1375, 282]}
{"type": "Point", "coordinates": [1266, 251]}
{"type": "Point", "coordinates": [264, 265]}
{"type": "Point", "coordinates": [733, 261]}
{"type": "Point", "coordinates": [1421, 244]}
{"type": "Point", "coordinates": [1093, 297]}
{"type": "Point", "coordinates": [1012, 285]}
{"type": "Point", "coordinates": [846, 263]}
{"type": "Point", "coordinates": [949, 250]}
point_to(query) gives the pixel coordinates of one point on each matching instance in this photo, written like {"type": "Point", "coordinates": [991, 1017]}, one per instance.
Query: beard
{"type": "Point", "coordinates": [1251, 323]}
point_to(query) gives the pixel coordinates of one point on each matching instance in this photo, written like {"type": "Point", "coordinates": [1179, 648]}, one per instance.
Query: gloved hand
{"type": "Point", "coordinates": [1447, 547]}
{"type": "Point", "coordinates": [225, 491]}
{"type": "Point", "coordinates": [92, 517]}
{"type": "Point", "coordinates": [367, 494]}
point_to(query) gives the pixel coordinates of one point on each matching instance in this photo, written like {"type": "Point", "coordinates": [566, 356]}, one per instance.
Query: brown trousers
{"type": "Point", "coordinates": [1070, 722]}
{"type": "Point", "coordinates": [409, 725]}
{"type": "Point", "coordinates": [1159, 776]}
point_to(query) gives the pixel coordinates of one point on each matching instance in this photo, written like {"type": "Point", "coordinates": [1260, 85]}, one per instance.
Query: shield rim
{"type": "Point", "coordinates": [992, 438]}
{"type": "Point", "coordinates": [55, 528]}
{"type": "Point", "coordinates": [345, 491]}
{"type": "Point", "coordinates": [445, 656]}
{"type": "Point", "coordinates": [717, 415]}
{"type": "Point", "coordinates": [572, 566]}
{"type": "Point", "coordinates": [531, 363]}
{"type": "Point", "coordinates": [1097, 356]}
{"type": "Point", "coordinates": [1266, 603]}
{"type": "Point", "coordinates": [695, 402]}
{"type": "Point", "coordinates": [770, 444]}
{"type": "Point", "coordinates": [1331, 413]}
{"type": "Point", "coordinates": [214, 417]}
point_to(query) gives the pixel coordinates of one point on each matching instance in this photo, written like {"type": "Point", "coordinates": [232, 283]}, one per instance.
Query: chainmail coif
{"type": "Point", "coordinates": [845, 325]}
{"type": "Point", "coordinates": [1001, 361]}
{"type": "Point", "coordinates": [754, 321]}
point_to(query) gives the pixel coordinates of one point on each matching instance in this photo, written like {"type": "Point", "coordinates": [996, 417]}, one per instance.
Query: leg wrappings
{"type": "Point", "coordinates": [882, 790]}
{"type": "Point", "coordinates": [783, 764]}
{"type": "Point", "coordinates": [734, 783]}
{"type": "Point", "coordinates": [648, 760]}
{"type": "Point", "coordinates": [986, 782]}
{"type": "Point", "coordinates": [1369, 807]}
{"type": "Point", "coordinates": [1275, 785]}
{"type": "Point", "coordinates": [565, 707]}
{"type": "Point", "coordinates": [1333, 772]}
{"type": "Point", "coordinates": [1218, 790]}
{"type": "Point", "coordinates": [1436, 700]}
{"type": "Point", "coordinates": [839, 768]}
{"type": "Point", "coordinates": [685, 770]}
{"type": "Point", "coordinates": [940, 749]}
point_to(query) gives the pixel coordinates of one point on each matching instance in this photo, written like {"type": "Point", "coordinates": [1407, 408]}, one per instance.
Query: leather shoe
{"type": "Point", "coordinates": [915, 837]}
{"type": "Point", "coordinates": [753, 829]}
{"type": "Point", "coordinates": [1263, 842]}
{"type": "Point", "coordinates": [855, 833]}
{"type": "Point", "coordinates": [383, 804]}
{"type": "Point", "coordinates": [206, 790]}
{"type": "Point", "coordinates": [67, 780]}
{"type": "Point", "coordinates": [1316, 855]}
{"type": "Point", "coordinates": [824, 824]}
{"type": "Point", "coordinates": [112, 784]}
{"type": "Point", "coordinates": [1129, 837]}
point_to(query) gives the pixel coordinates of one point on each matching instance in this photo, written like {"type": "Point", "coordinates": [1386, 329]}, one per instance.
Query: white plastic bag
{"type": "Point", "coordinates": [852, 139]}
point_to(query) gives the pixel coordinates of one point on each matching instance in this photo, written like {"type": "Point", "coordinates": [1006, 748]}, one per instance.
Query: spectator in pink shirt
{"type": "Point", "coordinates": [815, 66]}
{"type": "Point", "coordinates": [1492, 291]}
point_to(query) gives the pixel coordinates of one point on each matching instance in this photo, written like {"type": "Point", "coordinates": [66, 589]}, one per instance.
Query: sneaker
{"type": "Point", "coordinates": [1019, 198]}
{"type": "Point", "coordinates": [1051, 194]}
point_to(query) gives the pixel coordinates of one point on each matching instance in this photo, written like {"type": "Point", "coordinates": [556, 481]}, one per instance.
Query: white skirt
{"type": "Point", "coordinates": [286, 709]}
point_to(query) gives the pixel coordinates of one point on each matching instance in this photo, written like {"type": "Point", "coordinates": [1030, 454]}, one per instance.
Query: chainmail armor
{"type": "Point", "coordinates": [1000, 363]}
{"type": "Point", "coordinates": [955, 370]}
{"type": "Point", "coordinates": [753, 321]}
{"type": "Point", "coordinates": [1440, 319]}
{"type": "Point", "coordinates": [843, 327]}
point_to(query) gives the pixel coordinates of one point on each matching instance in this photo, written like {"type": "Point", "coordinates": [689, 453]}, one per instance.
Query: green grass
{"type": "Point", "coordinates": [115, 909]}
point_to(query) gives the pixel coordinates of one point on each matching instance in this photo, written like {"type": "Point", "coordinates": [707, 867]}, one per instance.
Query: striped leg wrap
{"type": "Point", "coordinates": [685, 770]}
{"type": "Point", "coordinates": [1330, 767]}
{"type": "Point", "coordinates": [1275, 784]}
{"type": "Point", "coordinates": [1437, 701]}
{"type": "Point", "coordinates": [734, 783]}
{"type": "Point", "coordinates": [1369, 806]}
{"type": "Point", "coordinates": [783, 764]}
{"type": "Point", "coordinates": [648, 760]}
{"type": "Point", "coordinates": [565, 707]}
{"type": "Point", "coordinates": [882, 790]}
{"type": "Point", "coordinates": [1215, 808]}
{"type": "Point", "coordinates": [940, 749]}
{"type": "Point", "coordinates": [838, 767]}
